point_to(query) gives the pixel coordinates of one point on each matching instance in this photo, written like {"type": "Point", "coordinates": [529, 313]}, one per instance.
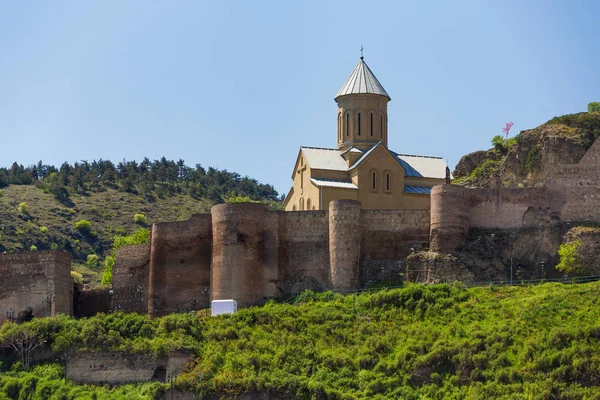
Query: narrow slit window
{"type": "Point", "coordinates": [347, 124]}
{"type": "Point", "coordinates": [387, 181]}
{"type": "Point", "coordinates": [358, 124]}
{"type": "Point", "coordinates": [381, 126]}
{"type": "Point", "coordinates": [371, 126]}
{"type": "Point", "coordinates": [374, 179]}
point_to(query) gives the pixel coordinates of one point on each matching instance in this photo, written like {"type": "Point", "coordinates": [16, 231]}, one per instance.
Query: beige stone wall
{"type": "Point", "coordinates": [380, 161]}
{"type": "Point", "coordinates": [349, 133]}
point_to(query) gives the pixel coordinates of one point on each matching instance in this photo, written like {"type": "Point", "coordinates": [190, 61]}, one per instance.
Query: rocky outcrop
{"type": "Point", "coordinates": [588, 239]}
{"type": "Point", "coordinates": [529, 158]}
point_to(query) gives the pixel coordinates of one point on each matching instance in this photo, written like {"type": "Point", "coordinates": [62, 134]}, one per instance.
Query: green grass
{"type": "Point", "coordinates": [417, 342]}
{"type": "Point", "coordinates": [51, 225]}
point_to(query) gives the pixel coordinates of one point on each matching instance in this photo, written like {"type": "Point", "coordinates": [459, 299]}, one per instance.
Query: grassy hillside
{"type": "Point", "coordinates": [435, 342]}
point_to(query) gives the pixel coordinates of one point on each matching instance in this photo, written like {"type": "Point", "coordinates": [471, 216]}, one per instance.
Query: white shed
{"type": "Point", "coordinates": [219, 307]}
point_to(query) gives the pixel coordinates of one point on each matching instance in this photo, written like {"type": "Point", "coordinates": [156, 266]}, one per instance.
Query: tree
{"type": "Point", "coordinates": [594, 106]}
{"type": "Point", "coordinates": [570, 260]}
{"type": "Point", "coordinates": [23, 343]}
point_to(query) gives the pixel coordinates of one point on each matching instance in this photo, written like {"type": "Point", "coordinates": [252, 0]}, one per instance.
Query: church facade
{"type": "Point", "coordinates": [362, 167]}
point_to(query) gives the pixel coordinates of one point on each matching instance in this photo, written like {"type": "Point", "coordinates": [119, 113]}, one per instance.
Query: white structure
{"type": "Point", "coordinates": [219, 307]}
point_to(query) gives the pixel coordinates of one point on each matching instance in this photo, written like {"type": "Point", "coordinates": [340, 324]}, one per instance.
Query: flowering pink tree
{"type": "Point", "coordinates": [506, 128]}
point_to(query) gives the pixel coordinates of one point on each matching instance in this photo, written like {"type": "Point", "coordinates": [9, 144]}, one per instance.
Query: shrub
{"type": "Point", "coordinates": [594, 106]}
{"type": "Point", "coordinates": [43, 229]}
{"type": "Point", "coordinates": [570, 260]}
{"type": "Point", "coordinates": [77, 277]}
{"type": "Point", "coordinates": [92, 260]}
{"type": "Point", "coordinates": [1, 193]}
{"type": "Point", "coordinates": [33, 248]}
{"type": "Point", "coordinates": [84, 226]}
{"type": "Point", "coordinates": [140, 219]}
{"type": "Point", "coordinates": [23, 208]}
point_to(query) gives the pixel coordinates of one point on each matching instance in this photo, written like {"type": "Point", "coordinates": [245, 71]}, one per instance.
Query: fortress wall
{"type": "Point", "coordinates": [118, 368]}
{"type": "Point", "coordinates": [87, 303]}
{"type": "Point", "coordinates": [450, 217]}
{"type": "Point", "coordinates": [579, 185]}
{"type": "Point", "coordinates": [344, 243]}
{"type": "Point", "coordinates": [503, 208]}
{"type": "Point", "coordinates": [304, 243]}
{"type": "Point", "coordinates": [27, 279]}
{"type": "Point", "coordinates": [245, 262]}
{"type": "Point", "coordinates": [387, 236]}
{"type": "Point", "coordinates": [130, 273]}
{"type": "Point", "coordinates": [180, 258]}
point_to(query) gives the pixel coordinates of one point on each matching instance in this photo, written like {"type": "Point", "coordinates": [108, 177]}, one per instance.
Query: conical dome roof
{"type": "Point", "coordinates": [362, 80]}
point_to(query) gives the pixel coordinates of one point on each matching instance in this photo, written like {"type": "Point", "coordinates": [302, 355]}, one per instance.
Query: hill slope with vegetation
{"type": "Point", "coordinates": [80, 208]}
{"type": "Point", "coordinates": [528, 158]}
{"type": "Point", "coordinates": [435, 342]}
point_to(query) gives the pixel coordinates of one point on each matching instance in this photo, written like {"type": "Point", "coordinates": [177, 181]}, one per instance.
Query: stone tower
{"type": "Point", "coordinates": [362, 110]}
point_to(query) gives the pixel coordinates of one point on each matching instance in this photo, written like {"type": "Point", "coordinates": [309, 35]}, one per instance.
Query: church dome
{"type": "Point", "coordinates": [362, 81]}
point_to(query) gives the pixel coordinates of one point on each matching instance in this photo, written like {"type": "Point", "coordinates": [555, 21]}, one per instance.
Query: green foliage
{"type": "Point", "coordinates": [416, 342]}
{"type": "Point", "coordinates": [44, 229]}
{"type": "Point", "coordinates": [1, 193]}
{"type": "Point", "coordinates": [92, 260]}
{"type": "Point", "coordinates": [77, 277]}
{"type": "Point", "coordinates": [33, 248]}
{"type": "Point", "coordinates": [532, 159]}
{"type": "Point", "coordinates": [23, 208]}
{"type": "Point", "coordinates": [140, 219]}
{"type": "Point", "coordinates": [502, 144]}
{"type": "Point", "coordinates": [570, 260]}
{"type": "Point", "coordinates": [140, 236]}
{"type": "Point", "coordinates": [84, 226]}
{"type": "Point", "coordinates": [587, 123]}
{"type": "Point", "coordinates": [594, 106]}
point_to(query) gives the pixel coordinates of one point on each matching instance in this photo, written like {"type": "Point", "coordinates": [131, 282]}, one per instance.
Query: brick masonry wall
{"type": "Point", "coordinates": [87, 303]}
{"type": "Point", "coordinates": [303, 251]}
{"type": "Point", "coordinates": [344, 243]}
{"type": "Point", "coordinates": [27, 280]}
{"type": "Point", "coordinates": [387, 237]}
{"type": "Point", "coordinates": [180, 264]}
{"type": "Point", "coordinates": [116, 368]}
{"type": "Point", "coordinates": [130, 274]}
{"type": "Point", "coordinates": [245, 262]}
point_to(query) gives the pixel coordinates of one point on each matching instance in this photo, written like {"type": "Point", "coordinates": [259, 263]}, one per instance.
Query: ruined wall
{"type": "Point", "coordinates": [180, 260]}
{"type": "Point", "coordinates": [130, 279]}
{"type": "Point", "coordinates": [29, 279]}
{"type": "Point", "coordinates": [117, 368]}
{"type": "Point", "coordinates": [387, 237]}
{"type": "Point", "coordinates": [87, 303]}
{"type": "Point", "coordinates": [245, 262]}
{"type": "Point", "coordinates": [303, 251]}
{"type": "Point", "coordinates": [580, 187]}
{"type": "Point", "coordinates": [450, 217]}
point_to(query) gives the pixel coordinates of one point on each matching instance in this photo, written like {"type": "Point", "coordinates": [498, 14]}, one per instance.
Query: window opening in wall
{"type": "Point", "coordinates": [308, 204]}
{"type": "Point", "coordinates": [340, 127]}
{"type": "Point", "coordinates": [347, 124]}
{"type": "Point", "coordinates": [358, 124]}
{"type": "Point", "coordinates": [387, 181]}
{"type": "Point", "coordinates": [381, 126]}
{"type": "Point", "coordinates": [374, 179]}
{"type": "Point", "coordinates": [371, 125]}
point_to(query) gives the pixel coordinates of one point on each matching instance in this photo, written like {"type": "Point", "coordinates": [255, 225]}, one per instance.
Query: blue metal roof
{"type": "Point", "coordinates": [417, 189]}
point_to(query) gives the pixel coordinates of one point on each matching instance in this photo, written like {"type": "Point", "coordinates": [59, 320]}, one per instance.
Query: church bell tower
{"type": "Point", "coordinates": [362, 110]}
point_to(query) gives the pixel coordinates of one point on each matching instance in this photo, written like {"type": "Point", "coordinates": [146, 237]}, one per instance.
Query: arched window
{"type": "Point", "coordinates": [371, 123]}
{"type": "Point", "coordinates": [381, 126]}
{"type": "Point", "coordinates": [294, 208]}
{"type": "Point", "coordinates": [388, 181]}
{"type": "Point", "coordinates": [339, 127]}
{"type": "Point", "coordinates": [301, 204]}
{"type": "Point", "coordinates": [358, 122]}
{"type": "Point", "coordinates": [347, 124]}
{"type": "Point", "coordinates": [308, 204]}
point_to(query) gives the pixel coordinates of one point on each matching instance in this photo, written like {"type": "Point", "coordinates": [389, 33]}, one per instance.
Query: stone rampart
{"type": "Point", "coordinates": [245, 260]}
{"type": "Point", "coordinates": [344, 243]}
{"type": "Point", "coordinates": [117, 368]}
{"type": "Point", "coordinates": [40, 280]}
{"type": "Point", "coordinates": [180, 262]}
{"type": "Point", "coordinates": [130, 279]}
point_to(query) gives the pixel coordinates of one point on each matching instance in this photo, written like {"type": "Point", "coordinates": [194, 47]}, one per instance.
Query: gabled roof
{"type": "Point", "coordinates": [362, 80]}
{"type": "Point", "coordinates": [414, 166]}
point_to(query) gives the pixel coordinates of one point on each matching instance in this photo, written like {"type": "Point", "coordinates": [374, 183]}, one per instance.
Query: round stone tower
{"type": "Point", "coordinates": [362, 110]}
{"type": "Point", "coordinates": [344, 243]}
{"type": "Point", "coordinates": [245, 252]}
{"type": "Point", "coordinates": [450, 219]}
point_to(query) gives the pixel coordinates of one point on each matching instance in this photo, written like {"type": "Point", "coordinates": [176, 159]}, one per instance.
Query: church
{"type": "Point", "coordinates": [362, 167]}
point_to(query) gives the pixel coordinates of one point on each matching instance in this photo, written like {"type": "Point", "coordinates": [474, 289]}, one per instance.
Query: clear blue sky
{"type": "Point", "coordinates": [242, 85]}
